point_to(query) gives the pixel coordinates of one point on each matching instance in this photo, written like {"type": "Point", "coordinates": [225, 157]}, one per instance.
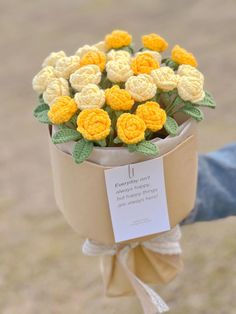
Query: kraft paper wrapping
{"type": "Point", "coordinates": [80, 190]}
{"type": "Point", "coordinates": [80, 193]}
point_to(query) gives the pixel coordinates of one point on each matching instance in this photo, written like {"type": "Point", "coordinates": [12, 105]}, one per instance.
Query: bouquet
{"type": "Point", "coordinates": [108, 106]}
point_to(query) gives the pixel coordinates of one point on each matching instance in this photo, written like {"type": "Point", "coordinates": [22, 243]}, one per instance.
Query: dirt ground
{"type": "Point", "coordinates": [42, 270]}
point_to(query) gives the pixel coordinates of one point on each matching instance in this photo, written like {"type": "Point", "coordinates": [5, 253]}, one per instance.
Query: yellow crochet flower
{"type": "Point", "coordinates": [94, 57]}
{"type": "Point", "coordinates": [117, 39]}
{"type": "Point", "coordinates": [90, 97]}
{"type": "Point", "coordinates": [144, 63]}
{"type": "Point", "coordinates": [53, 58]}
{"type": "Point", "coordinates": [155, 54]}
{"type": "Point", "coordinates": [42, 79]}
{"type": "Point", "coordinates": [130, 128]}
{"type": "Point", "coordinates": [154, 42]}
{"type": "Point", "coordinates": [56, 88]}
{"type": "Point", "coordinates": [89, 74]}
{"type": "Point", "coordinates": [190, 89]}
{"type": "Point", "coordinates": [118, 71]}
{"type": "Point", "coordinates": [165, 78]}
{"type": "Point", "coordinates": [153, 116]}
{"type": "Point", "coordinates": [66, 66]}
{"type": "Point", "coordinates": [141, 87]}
{"type": "Point", "coordinates": [118, 99]}
{"type": "Point", "coordinates": [94, 124]}
{"type": "Point", "coordinates": [62, 110]}
{"type": "Point", "coordinates": [182, 56]}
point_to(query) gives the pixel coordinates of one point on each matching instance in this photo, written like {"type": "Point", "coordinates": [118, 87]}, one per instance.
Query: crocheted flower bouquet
{"type": "Point", "coordinates": [105, 95]}
{"type": "Point", "coordinates": [107, 106]}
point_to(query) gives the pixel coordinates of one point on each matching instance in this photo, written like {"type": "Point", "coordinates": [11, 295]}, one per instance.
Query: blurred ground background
{"type": "Point", "coordinates": [42, 270]}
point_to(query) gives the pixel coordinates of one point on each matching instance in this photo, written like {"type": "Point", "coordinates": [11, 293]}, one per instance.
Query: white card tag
{"type": "Point", "coordinates": [137, 199]}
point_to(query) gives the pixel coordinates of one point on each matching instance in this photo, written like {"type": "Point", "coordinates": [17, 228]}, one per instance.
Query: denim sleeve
{"type": "Point", "coordinates": [216, 190]}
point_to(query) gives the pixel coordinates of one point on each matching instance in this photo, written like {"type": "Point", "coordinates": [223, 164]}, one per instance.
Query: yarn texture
{"type": "Point", "coordinates": [53, 58]}
{"type": "Point", "coordinates": [165, 78]}
{"type": "Point", "coordinates": [56, 88]}
{"type": "Point", "coordinates": [42, 79]}
{"type": "Point", "coordinates": [89, 74]}
{"type": "Point", "coordinates": [66, 66]}
{"type": "Point", "coordinates": [118, 71]}
{"type": "Point", "coordinates": [182, 56]}
{"type": "Point", "coordinates": [154, 42]}
{"type": "Point", "coordinates": [94, 124]}
{"type": "Point", "coordinates": [141, 87]}
{"type": "Point", "coordinates": [90, 97]}
{"type": "Point", "coordinates": [153, 116]}
{"type": "Point", "coordinates": [62, 110]}
{"type": "Point", "coordinates": [94, 57]}
{"type": "Point", "coordinates": [118, 39]}
{"type": "Point", "coordinates": [144, 63]}
{"type": "Point", "coordinates": [118, 99]}
{"type": "Point", "coordinates": [190, 89]}
{"type": "Point", "coordinates": [130, 128]}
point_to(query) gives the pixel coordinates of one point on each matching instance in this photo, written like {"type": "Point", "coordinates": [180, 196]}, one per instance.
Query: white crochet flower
{"type": "Point", "coordinates": [66, 66]}
{"type": "Point", "coordinates": [53, 58]}
{"type": "Point", "coordinates": [41, 80]}
{"type": "Point", "coordinates": [165, 78]}
{"type": "Point", "coordinates": [90, 97]}
{"type": "Point", "coordinates": [101, 46]}
{"type": "Point", "coordinates": [188, 70]}
{"type": "Point", "coordinates": [118, 71]}
{"type": "Point", "coordinates": [116, 55]}
{"type": "Point", "coordinates": [87, 74]}
{"type": "Point", "coordinates": [56, 88]}
{"type": "Point", "coordinates": [190, 89]}
{"type": "Point", "coordinates": [84, 49]}
{"type": "Point", "coordinates": [141, 87]}
{"type": "Point", "coordinates": [156, 55]}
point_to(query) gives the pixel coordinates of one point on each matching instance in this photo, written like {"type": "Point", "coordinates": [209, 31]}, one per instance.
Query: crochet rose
{"type": "Point", "coordinates": [141, 87]}
{"type": "Point", "coordinates": [116, 55]}
{"type": "Point", "coordinates": [182, 56]}
{"type": "Point", "coordinates": [85, 49]}
{"type": "Point", "coordinates": [118, 99]}
{"type": "Point", "coordinates": [66, 66]}
{"type": "Point", "coordinates": [118, 71]}
{"type": "Point", "coordinates": [154, 42]}
{"type": "Point", "coordinates": [117, 39]}
{"type": "Point", "coordinates": [156, 55]}
{"type": "Point", "coordinates": [41, 80]}
{"type": "Point", "coordinates": [153, 116]}
{"type": "Point", "coordinates": [56, 88]}
{"type": "Point", "coordinates": [130, 128]}
{"type": "Point", "coordinates": [165, 78]}
{"type": "Point", "coordinates": [62, 110]}
{"type": "Point", "coordinates": [94, 57]}
{"type": "Point", "coordinates": [144, 63]}
{"type": "Point", "coordinates": [188, 70]}
{"type": "Point", "coordinates": [90, 97]}
{"type": "Point", "coordinates": [53, 58]}
{"type": "Point", "coordinates": [84, 76]}
{"type": "Point", "coordinates": [94, 124]}
{"type": "Point", "coordinates": [190, 89]}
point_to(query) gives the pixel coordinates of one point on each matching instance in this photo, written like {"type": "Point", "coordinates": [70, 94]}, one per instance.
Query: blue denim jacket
{"type": "Point", "coordinates": [216, 191]}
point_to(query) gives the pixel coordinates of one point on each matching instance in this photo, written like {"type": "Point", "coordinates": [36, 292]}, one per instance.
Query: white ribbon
{"type": "Point", "coordinates": [166, 243]}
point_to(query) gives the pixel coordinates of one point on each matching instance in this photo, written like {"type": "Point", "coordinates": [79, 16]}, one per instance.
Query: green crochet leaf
{"type": "Point", "coordinates": [147, 148]}
{"type": "Point", "coordinates": [193, 112]}
{"type": "Point", "coordinates": [132, 148]}
{"type": "Point", "coordinates": [117, 140]}
{"type": "Point", "coordinates": [102, 143]}
{"type": "Point", "coordinates": [82, 150]}
{"type": "Point", "coordinates": [43, 117]}
{"type": "Point", "coordinates": [208, 101]}
{"type": "Point", "coordinates": [65, 135]}
{"type": "Point", "coordinates": [171, 126]}
{"type": "Point", "coordinates": [170, 63]}
{"type": "Point", "coordinates": [40, 108]}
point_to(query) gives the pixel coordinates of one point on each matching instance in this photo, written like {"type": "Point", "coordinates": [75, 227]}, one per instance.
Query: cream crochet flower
{"type": "Point", "coordinates": [100, 46]}
{"type": "Point", "coordinates": [118, 71]}
{"type": "Point", "coordinates": [53, 58]}
{"type": "Point", "coordinates": [116, 55]}
{"type": "Point", "coordinates": [41, 80]}
{"type": "Point", "coordinates": [156, 55]}
{"type": "Point", "coordinates": [165, 78]}
{"type": "Point", "coordinates": [190, 89]}
{"type": "Point", "coordinates": [188, 70]}
{"type": "Point", "coordinates": [56, 88]}
{"type": "Point", "coordinates": [141, 87]}
{"type": "Point", "coordinates": [84, 49]}
{"type": "Point", "coordinates": [90, 97]}
{"type": "Point", "coordinates": [87, 74]}
{"type": "Point", "coordinates": [66, 66]}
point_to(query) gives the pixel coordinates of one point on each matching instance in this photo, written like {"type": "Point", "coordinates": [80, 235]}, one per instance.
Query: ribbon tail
{"type": "Point", "coordinates": [151, 302]}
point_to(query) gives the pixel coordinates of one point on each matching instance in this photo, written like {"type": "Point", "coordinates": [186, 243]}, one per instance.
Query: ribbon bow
{"type": "Point", "coordinates": [167, 244]}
